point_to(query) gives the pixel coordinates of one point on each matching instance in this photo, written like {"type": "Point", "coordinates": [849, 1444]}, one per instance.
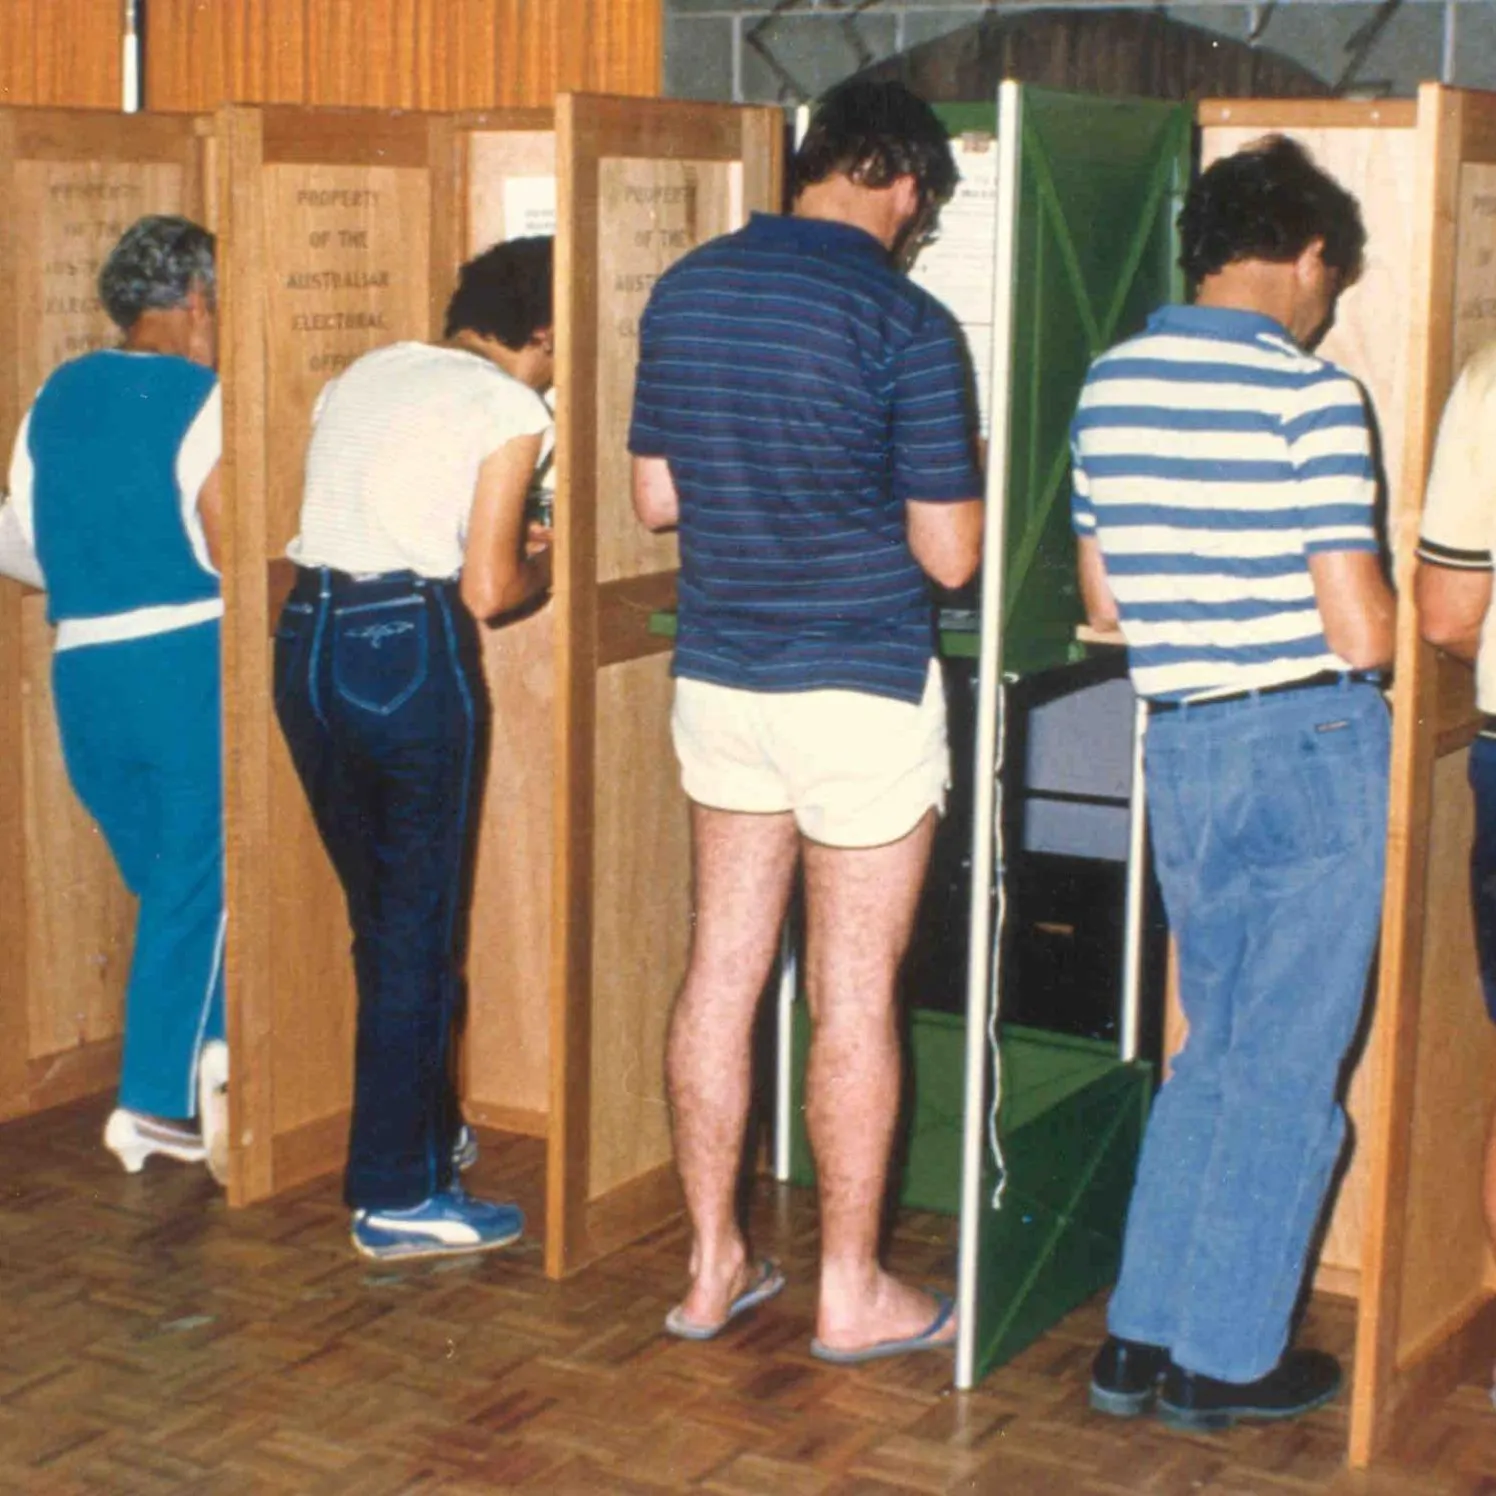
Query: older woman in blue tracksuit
{"type": "Point", "coordinates": [114, 496]}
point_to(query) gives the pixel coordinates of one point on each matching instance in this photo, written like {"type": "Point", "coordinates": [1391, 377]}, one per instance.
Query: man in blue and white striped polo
{"type": "Point", "coordinates": [1224, 501]}
{"type": "Point", "coordinates": [802, 415]}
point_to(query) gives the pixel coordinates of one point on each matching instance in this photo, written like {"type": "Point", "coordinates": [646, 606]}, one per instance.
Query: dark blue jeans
{"type": "Point", "coordinates": [1483, 864]}
{"type": "Point", "coordinates": [379, 691]}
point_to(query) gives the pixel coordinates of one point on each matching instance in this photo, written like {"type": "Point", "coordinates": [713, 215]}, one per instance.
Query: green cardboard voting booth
{"type": "Point", "coordinates": [1059, 243]}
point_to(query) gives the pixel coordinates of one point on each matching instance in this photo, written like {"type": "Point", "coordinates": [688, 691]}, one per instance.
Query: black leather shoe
{"type": "Point", "coordinates": [1302, 1380]}
{"type": "Point", "coordinates": [1125, 1376]}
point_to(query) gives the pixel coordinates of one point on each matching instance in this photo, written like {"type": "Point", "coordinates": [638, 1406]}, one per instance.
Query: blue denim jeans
{"type": "Point", "coordinates": [1269, 820]}
{"type": "Point", "coordinates": [379, 691]}
{"type": "Point", "coordinates": [1483, 864]}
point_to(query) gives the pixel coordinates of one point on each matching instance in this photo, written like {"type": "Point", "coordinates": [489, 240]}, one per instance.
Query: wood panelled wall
{"type": "Point", "coordinates": [391, 54]}
{"type": "Point", "coordinates": [60, 52]}
{"type": "Point", "coordinates": [397, 54]}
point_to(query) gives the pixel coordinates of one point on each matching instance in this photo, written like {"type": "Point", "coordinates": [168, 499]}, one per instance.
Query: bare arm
{"type": "Point", "coordinates": [656, 502]}
{"type": "Point", "coordinates": [946, 538]}
{"type": "Point", "coordinates": [1452, 606]}
{"type": "Point", "coordinates": [1095, 588]}
{"type": "Point", "coordinates": [496, 576]}
{"type": "Point", "coordinates": [1356, 606]}
{"type": "Point", "coordinates": [210, 512]}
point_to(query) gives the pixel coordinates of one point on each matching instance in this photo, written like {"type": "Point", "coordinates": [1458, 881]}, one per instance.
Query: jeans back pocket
{"type": "Point", "coordinates": [380, 652]}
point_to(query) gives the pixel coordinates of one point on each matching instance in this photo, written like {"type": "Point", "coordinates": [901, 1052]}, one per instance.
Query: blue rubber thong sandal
{"type": "Point", "coordinates": [768, 1279]}
{"type": "Point", "coordinates": [928, 1339]}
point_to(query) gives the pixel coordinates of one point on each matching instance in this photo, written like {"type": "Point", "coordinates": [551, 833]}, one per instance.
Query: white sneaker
{"type": "Point", "coordinates": [213, 1106]}
{"type": "Point", "coordinates": [132, 1139]}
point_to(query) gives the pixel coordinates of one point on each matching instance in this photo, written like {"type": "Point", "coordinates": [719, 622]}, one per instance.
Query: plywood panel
{"type": "Point", "coordinates": [1475, 261]}
{"type": "Point", "coordinates": [1375, 160]}
{"type": "Point", "coordinates": [641, 912]}
{"type": "Point", "coordinates": [350, 273]}
{"type": "Point", "coordinates": [506, 170]}
{"type": "Point", "coordinates": [78, 211]}
{"type": "Point", "coordinates": [332, 224]}
{"type": "Point", "coordinates": [506, 1043]}
{"type": "Point", "coordinates": [70, 182]}
{"type": "Point", "coordinates": [81, 928]}
{"type": "Point", "coordinates": [630, 169]}
{"type": "Point", "coordinates": [1454, 1082]}
{"type": "Point", "coordinates": [406, 54]}
{"type": "Point", "coordinates": [1397, 1373]}
{"type": "Point", "coordinates": [649, 214]}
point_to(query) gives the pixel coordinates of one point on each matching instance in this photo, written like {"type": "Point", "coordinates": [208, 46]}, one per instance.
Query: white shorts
{"type": "Point", "coordinates": [857, 770]}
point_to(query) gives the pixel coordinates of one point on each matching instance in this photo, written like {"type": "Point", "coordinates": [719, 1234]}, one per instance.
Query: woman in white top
{"type": "Point", "coordinates": [412, 533]}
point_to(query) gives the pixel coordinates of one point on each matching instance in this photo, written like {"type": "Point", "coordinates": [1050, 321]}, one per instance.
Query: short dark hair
{"type": "Point", "coordinates": [1270, 202]}
{"type": "Point", "coordinates": [157, 262]}
{"type": "Point", "coordinates": [505, 293]}
{"type": "Point", "coordinates": [875, 133]}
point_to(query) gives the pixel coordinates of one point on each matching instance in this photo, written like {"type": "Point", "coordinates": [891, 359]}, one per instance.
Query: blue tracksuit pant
{"type": "Point", "coordinates": [141, 735]}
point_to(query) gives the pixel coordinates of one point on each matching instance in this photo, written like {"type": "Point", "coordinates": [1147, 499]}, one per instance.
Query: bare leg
{"type": "Point", "coordinates": [860, 906]}
{"type": "Point", "coordinates": [742, 869]}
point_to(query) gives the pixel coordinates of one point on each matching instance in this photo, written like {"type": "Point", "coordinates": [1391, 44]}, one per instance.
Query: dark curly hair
{"type": "Point", "coordinates": [505, 292]}
{"type": "Point", "coordinates": [1269, 201]}
{"type": "Point", "coordinates": [875, 133]}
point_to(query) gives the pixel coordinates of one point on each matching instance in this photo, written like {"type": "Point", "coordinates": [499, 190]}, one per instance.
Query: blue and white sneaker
{"type": "Point", "coordinates": [464, 1149]}
{"type": "Point", "coordinates": [446, 1225]}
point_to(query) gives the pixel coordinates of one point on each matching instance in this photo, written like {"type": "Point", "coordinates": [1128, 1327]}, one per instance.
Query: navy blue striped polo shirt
{"type": "Point", "coordinates": [802, 390]}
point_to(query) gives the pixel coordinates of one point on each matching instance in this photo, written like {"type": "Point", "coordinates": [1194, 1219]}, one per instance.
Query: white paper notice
{"type": "Point", "coordinates": [529, 206]}
{"type": "Point", "coordinates": [958, 266]}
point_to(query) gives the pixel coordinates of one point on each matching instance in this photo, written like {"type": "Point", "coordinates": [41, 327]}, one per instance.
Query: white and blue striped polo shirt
{"type": "Point", "coordinates": [1212, 457]}
{"type": "Point", "coordinates": [803, 391]}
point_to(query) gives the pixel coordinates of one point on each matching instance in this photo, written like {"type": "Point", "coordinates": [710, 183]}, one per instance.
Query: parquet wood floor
{"type": "Point", "coordinates": [151, 1341]}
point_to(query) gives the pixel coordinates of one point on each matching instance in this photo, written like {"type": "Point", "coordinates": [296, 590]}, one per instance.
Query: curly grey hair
{"type": "Point", "coordinates": [158, 260]}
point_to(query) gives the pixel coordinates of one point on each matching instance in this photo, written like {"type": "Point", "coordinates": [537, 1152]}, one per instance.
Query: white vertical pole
{"type": "Point", "coordinates": [989, 683]}
{"type": "Point", "coordinates": [1451, 41]}
{"type": "Point", "coordinates": [789, 955]}
{"type": "Point", "coordinates": [1132, 943]}
{"type": "Point", "coordinates": [130, 57]}
{"type": "Point", "coordinates": [784, 1049]}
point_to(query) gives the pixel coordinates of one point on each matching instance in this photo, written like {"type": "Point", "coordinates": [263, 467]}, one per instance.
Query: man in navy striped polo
{"type": "Point", "coordinates": [802, 416]}
{"type": "Point", "coordinates": [1224, 496]}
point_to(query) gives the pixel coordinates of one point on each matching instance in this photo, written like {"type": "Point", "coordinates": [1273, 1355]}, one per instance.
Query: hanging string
{"type": "Point", "coordinates": [994, 995]}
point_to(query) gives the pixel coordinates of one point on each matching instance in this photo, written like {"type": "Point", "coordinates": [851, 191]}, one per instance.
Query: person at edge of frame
{"type": "Point", "coordinates": [412, 533]}
{"type": "Point", "coordinates": [1224, 497]}
{"type": "Point", "coordinates": [1452, 592]}
{"type": "Point", "coordinates": [113, 509]}
{"type": "Point", "coordinates": [801, 414]}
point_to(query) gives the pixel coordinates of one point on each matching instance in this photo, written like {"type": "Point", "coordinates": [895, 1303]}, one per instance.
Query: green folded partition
{"type": "Point", "coordinates": [1101, 184]}
{"type": "Point", "coordinates": [1071, 1119]}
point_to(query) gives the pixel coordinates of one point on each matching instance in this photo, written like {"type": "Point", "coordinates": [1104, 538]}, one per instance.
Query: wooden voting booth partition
{"type": "Point", "coordinates": [639, 183]}
{"type": "Point", "coordinates": [341, 231]}
{"type": "Point", "coordinates": [337, 234]}
{"type": "Point", "coordinates": [1406, 1236]}
{"type": "Point", "coordinates": [70, 182]}
{"type": "Point", "coordinates": [1428, 1297]}
{"type": "Point", "coordinates": [1371, 149]}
